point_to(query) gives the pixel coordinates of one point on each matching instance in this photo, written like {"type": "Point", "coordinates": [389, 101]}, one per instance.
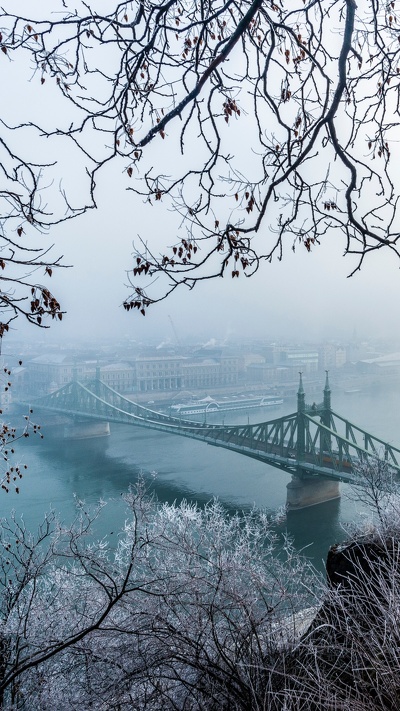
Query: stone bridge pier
{"type": "Point", "coordinates": [307, 491]}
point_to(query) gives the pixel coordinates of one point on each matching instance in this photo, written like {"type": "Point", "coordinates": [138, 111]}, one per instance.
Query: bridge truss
{"type": "Point", "coordinates": [313, 441]}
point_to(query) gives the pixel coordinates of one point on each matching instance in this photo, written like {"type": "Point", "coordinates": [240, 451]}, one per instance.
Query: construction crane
{"type": "Point", "coordinates": [174, 331]}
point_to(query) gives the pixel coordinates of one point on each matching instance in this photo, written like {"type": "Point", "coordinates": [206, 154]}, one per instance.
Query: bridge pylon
{"type": "Point", "coordinates": [305, 489]}
{"type": "Point", "coordinates": [301, 430]}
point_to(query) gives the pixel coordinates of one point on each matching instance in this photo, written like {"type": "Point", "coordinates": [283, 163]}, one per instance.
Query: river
{"type": "Point", "coordinates": [176, 468]}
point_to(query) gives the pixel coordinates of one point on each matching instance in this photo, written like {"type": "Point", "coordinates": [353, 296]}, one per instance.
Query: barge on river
{"type": "Point", "coordinates": [208, 404]}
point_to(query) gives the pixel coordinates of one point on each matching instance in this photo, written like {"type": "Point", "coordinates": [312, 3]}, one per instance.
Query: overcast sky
{"type": "Point", "coordinates": [305, 296]}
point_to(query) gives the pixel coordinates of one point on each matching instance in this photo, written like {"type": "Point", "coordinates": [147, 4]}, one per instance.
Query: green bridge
{"type": "Point", "coordinates": [314, 444]}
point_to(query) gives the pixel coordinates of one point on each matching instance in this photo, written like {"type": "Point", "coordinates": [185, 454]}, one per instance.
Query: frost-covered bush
{"type": "Point", "coordinates": [192, 610]}
{"type": "Point", "coordinates": [196, 610]}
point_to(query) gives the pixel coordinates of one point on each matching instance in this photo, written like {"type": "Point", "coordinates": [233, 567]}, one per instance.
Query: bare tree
{"type": "Point", "coordinates": [192, 610]}
{"type": "Point", "coordinates": [262, 123]}
{"type": "Point", "coordinates": [11, 467]}
{"type": "Point", "coordinates": [195, 609]}
{"type": "Point", "coordinates": [376, 486]}
{"type": "Point", "coordinates": [24, 215]}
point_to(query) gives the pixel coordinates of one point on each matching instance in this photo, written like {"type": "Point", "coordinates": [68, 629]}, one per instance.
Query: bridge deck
{"type": "Point", "coordinates": [313, 441]}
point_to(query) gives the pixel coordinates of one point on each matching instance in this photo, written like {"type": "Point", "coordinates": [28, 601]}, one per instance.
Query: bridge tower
{"type": "Point", "coordinates": [307, 489]}
{"type": "Point", "coordinates": [326, 418]}
{"type": "Point", "coordinates": [75, 400]}
{"type": "Point", "coordinates": [327, 397]}
{"type": "Point", "coordinates": [81, 427]}
{"type": "Point", "coordinates": [301, 429]}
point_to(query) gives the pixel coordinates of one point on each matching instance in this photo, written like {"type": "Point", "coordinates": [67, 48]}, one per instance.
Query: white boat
{"type": "Point", "coordinates": [208, 404]}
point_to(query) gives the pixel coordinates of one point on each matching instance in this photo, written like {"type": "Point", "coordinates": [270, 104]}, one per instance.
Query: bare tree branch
{"type": "Point", "coordinates": [276, 124]}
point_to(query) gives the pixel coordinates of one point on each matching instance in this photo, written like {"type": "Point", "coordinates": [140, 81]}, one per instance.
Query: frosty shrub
{"type": "Point", "coordinates": [197, 610]}
{"type": "Point", "coordinates": [194, 609]}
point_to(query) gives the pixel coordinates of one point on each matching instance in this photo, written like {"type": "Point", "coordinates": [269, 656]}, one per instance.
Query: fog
{"type": "Point", "coordinates": [304, 296]}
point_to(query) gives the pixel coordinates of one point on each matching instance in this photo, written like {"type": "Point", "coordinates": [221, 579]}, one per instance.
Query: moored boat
{"type": "Point", "coordinates": [208, 404]}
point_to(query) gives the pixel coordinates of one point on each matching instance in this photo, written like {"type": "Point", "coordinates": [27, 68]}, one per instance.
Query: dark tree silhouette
{"type": "Point", "coordinates": [22, 214]}
{"type": "Point", "coordinates": [275, 121]}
